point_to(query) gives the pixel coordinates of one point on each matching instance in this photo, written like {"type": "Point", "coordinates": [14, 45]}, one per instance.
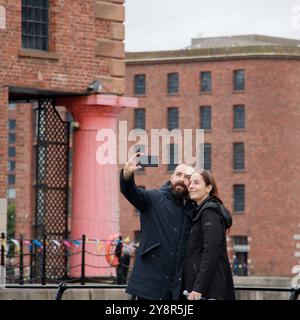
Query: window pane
{"type": "Point", "coordinates": [11, 166]}
{"type": "Point", "coordinates": [12, 106]}
{"type": "Point", "coordinates": [239, 117]}
{"type": "Point", "coordinates": [173, 157]}
{"type": "Point", "coordinates": [239, 197]}
{"type": "Point", "coordinates": [11, 138]}
{"type": "Point", "coordinates": [205, 81]}
{"type": "Point", "coordinates": [239, 80]}
{"type": "Point", "coordinates": [207, 156]}
{"type": "Point", "coordinates": [238, 156]}
{"type": "Point", "coordinates": [139, 84]}
{"type": "Point", "coordinates": [205, 117]}
{"type": "Point", "coordinates": [139, 118]}
{"type": "Point", "coordinates": [11, 124]}
{"type": "Point", "coordinates": [173, 118]}
{"type": "Point", "coordinates": [11, 179]}
{"type": "Point", "coordinates": [11, 193]}
{"type": "Point", "coordinates": [173, 82]}
{"type": "Point", "coordinates": [11, 151]}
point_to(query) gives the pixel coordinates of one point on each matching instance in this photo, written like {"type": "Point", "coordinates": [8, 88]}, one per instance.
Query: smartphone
{"type": "Point", "coordinates": [147, 161]}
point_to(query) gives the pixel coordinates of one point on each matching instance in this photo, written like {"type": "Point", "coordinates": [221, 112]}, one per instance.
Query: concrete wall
{"type": "Point", "coordinates": [119, 294]}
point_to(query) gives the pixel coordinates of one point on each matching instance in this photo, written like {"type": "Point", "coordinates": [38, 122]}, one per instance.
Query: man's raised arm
{"type": "Point", "coordinates": [136, 196]}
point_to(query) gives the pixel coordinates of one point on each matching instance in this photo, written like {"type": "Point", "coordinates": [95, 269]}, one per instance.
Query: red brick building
{"type": "Point", "coordinates": [245, 92]}
{"type": "Point", "coordinates": [55, 50]}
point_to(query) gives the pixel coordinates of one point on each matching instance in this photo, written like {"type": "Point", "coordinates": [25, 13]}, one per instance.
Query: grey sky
{"type": "Point", "coordinates": [170, 24]}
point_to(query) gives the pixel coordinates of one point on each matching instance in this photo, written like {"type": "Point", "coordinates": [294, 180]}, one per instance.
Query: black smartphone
{"type": "Point", "coordinates": [147, 161]}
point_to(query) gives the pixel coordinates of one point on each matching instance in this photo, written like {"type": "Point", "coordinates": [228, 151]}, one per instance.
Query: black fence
{"type": "Point", "coordinates": [21, 267]}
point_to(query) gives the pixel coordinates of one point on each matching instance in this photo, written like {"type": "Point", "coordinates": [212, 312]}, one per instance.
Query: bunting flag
{"type": "Point", "coordinates": [100, 244]}
{"type": "Point", "coordinates": [56, 242]}
{"type": "Point", "coordinates": [15, 242]}
{"type": "Point", "coordinates": [37, 243]}
{"type": "Point", "coordinates": [77, 242]}
{"type": "Point", "coordinates": [126, 240]}
{"type": "Point", "coordinates": [28, 243]}
{"type": "Point", "coordinates": [67, 243]}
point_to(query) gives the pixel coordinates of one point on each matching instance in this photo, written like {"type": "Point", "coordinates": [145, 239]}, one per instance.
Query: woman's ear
{"type": "Point", "coordinates": [209, 188]}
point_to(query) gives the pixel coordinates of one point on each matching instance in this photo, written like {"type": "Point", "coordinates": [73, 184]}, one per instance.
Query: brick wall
{"type": "Point", "coordinates": [85, 43]}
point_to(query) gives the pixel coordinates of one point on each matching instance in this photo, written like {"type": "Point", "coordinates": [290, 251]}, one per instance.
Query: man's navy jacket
{"type": "Point", "coordinates": [165, 225]}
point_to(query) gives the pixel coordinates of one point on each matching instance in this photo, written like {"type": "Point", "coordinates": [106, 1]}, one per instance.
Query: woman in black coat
{"type": "Point", "coordinates": [207, 272]}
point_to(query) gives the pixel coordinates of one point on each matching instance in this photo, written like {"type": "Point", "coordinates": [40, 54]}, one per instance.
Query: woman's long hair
{"type": "Point", "coordinates": [210, 181]}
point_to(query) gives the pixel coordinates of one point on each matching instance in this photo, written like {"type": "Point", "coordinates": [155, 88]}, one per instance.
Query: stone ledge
{"type": "Point", "coordinates": [117, 68]}
{"type": "Point", "coordinates": [109, 11]}
{"type": "Point", "coordinates": [29, 53]}
{"type": "Point", "coordinates": [112, 85]}
{"type": "Point", "coordinates": [117, 31]}
{"type": "Point", "coordinates": [110, 49]}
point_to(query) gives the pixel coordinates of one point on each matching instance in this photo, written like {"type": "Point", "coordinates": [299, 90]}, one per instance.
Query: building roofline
{"type": "Point", "coordinates": [213, 54]}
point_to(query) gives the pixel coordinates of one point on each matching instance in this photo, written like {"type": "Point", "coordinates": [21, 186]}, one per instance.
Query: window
{"type": "Point", "coordinates": [205, 117]}
{"type": "Point", "coordinates": [139, 118]}
{"type": "Point", "coordinates": [11, 166]}
{"type": "Point", "coordinates": [11, 193]}
{"type": "Point", "coordinates": [11, 124]}
{"type": "Point", "coordinates": [240, 258]}
{"type": "Point", "coordinates": [205, 81]}
{"type": "Point", "coordinates": [11, 179]}
{"type": "Point", "coordinates": [239, 117]}
{"type": "Point", "coordinates": [173, 82]}
{"type": "Point", "coordinates": [11, 138]}
{"type": "Point", "coordinates": [173, 122]}
{"type": "Point", "coordinates": [239, 156]}
{"type": "Point", "coordinates": [240, 240]}
{"type": "Point", "coordinates": [12, 106]}
{"type": "Point", "coordinates": [239, 197]}
{"type": "Point", "coordinates": [11, 151]}
{"type": "Point", "coordinates": [35, 23]}
{"type": "Point", "coordinates": [207, 156]}
{"type": "Point", "coordinates": [173, 157]}
{"type": "Point", "coordinates": [139, 84]}
{"type": "Point", "coordinates": [239, 80]}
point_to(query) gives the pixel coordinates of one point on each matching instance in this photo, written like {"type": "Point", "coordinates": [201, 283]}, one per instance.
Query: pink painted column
{"type": "Point", "coordinates": [94, 186]}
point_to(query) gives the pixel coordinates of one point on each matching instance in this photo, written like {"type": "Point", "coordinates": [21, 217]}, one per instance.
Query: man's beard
{"type": "Point", "coordinates": [180, 194]}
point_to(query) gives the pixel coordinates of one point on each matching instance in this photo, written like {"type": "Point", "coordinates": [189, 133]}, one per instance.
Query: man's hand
{"type": "Point", "coordinates": [194, 295]}
{"type": "Point", "coordinates": [131, 166]}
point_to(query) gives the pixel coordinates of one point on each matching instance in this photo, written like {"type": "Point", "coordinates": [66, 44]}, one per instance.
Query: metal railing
{"type": "Point", "coordinates": [26, 256]}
